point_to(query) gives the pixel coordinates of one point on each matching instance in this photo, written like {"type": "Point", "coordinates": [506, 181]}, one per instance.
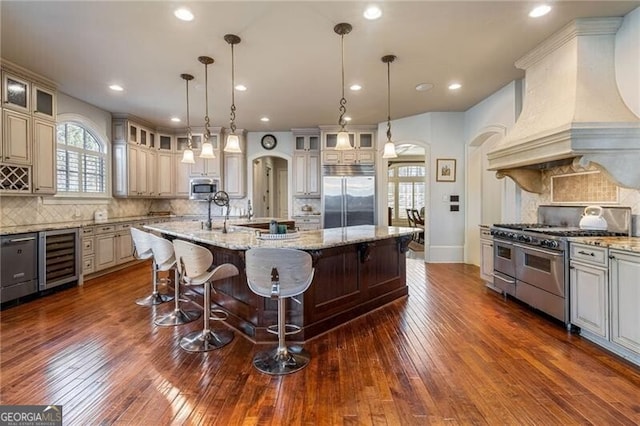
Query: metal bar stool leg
{"type": "Point", "coordinates": [206, 340]}
{"type": "Point", "coordinates": [178, 316]}
{"type": "Point", "coordinates": [282, 359]}
{"type": "Point", "coordinates": [155, 298]}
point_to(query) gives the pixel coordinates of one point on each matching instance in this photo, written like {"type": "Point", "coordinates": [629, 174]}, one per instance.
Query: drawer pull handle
{"type": "Point", "coordinates": [586, 253]}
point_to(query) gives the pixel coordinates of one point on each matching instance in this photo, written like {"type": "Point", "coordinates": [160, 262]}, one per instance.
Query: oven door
{"type": "Point", "coordinates": [503, 258]}
{"type": "Point", "coordinates": [541, 268]}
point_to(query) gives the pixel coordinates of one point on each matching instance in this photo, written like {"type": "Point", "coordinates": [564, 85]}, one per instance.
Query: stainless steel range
{"type": "Point", "coordinates": [531, 260]}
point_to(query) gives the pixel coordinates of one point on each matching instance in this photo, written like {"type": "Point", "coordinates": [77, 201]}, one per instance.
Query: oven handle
{"type": "Point", "coordinates": [503, 278]}
{"type": "Point", "coordinates": [547, 252]}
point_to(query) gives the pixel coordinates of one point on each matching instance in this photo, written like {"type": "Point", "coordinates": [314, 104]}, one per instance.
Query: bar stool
{"type": "Point", "coordinates": [142, 251]}
{"type": "Point", "coordinates": [165, 260]}
{"type": "Point", "coordinates": [194, 263]}
{"type": "Point", "coordinates": [279, 273]}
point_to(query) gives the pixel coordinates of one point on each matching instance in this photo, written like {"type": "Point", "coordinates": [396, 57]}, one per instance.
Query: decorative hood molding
{"type": "Point", "coordinates": [572, 110]}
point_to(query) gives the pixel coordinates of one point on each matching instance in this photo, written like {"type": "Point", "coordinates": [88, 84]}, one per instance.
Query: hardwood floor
{"type": "Point", "coordinates": [452, 352]}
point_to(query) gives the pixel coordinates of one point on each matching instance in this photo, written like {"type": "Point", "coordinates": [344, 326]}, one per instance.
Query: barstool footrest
{"type": "Point", "coordinates": [277, 362]}
{"type": "Point", "coordinates": [218, 315]}
{"type": "Point", "coordinates": [178, 317]}
{"type": "Point", "coordinates": [154, 299]}
{"type": "Point", "coordinates": [288, 329]}
{"type": "Point", "coordinates": [202, 341]}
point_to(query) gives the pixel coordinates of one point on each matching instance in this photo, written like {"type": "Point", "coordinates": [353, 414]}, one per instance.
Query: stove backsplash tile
{"type": "Point", "coordinates": [530, 202]}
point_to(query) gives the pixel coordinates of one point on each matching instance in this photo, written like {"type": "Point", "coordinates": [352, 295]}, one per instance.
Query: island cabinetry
{"type": "Point", "coordinates": [589, 289]}
{"type": "Point", "coordinates": [123, 243]}
{"type": "Point", "coordinates": [306, 163]}
{"type": "Point", "coordinates": [349, 281]}
{"type": "Point", "coordinates": [625, 300]}
{"type": "Point", "coordinates": [87, 236]}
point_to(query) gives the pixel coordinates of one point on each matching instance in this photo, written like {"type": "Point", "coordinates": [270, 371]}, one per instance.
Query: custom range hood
{"type": "Point", "coordinates": [572, 110]}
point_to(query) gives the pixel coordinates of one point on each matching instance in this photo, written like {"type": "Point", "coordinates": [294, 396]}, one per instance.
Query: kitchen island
{"type": "Point", "coordinates": [357, 269]}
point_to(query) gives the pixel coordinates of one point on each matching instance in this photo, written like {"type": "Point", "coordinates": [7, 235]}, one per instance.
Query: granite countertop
{"type": "Point", "coordinates": [242, 238]}
{"type": "Point", "coordinates": [37, 227]}
{"type": "Point", "coordinates": [619, 243]}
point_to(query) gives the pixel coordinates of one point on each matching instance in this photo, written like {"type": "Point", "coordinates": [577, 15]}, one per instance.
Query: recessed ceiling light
{"type": "Point", "coordinates": [183, 14]}
{"type": "Point", "coordinates": [175, 119]}
{"type": "Point", "coordinates": [455, 86]}
{"type": "Point", "coordinates": [265, 119]}
{"type": "Point", "coordinates": [423, 87]}
{"type": "Point", "coordinates": [372, 12]}
{"type": "Point", "coordinates": [241, 87]}
{"type": "Point", "coordinates": [347, 119]}
{"type": "Point", "coordinates": [355, 87]}
{"type": "Point", "coordinates": [539, 11]}
{"type": "Point", "coordinates": [116, 88]}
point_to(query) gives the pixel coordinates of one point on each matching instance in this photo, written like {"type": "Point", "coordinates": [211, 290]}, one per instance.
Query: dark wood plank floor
{"type": "Point", "coordinates": [451, 353]}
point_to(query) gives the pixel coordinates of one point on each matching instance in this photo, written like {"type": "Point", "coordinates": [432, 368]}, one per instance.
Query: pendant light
{"type": "Point", "coordinates": [343, 142]}
{"type": "Point", "coordinates": [207, 147]}
{"type": "Point", "coordinates": [187, 155]}
{"type": "Point", "coordinates": [233, 142]}
{"type": "Point", "coordinates": [389, 147]}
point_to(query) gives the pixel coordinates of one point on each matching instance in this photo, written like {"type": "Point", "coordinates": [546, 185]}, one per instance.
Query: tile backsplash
{"type": "Point", "coordinates": [582, 194]}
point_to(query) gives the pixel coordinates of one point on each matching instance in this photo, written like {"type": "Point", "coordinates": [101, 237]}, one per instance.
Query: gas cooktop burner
{"type": "Point", "coordinates": [559, 231]}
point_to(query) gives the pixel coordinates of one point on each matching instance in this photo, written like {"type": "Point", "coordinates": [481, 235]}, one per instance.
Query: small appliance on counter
{"type": "Point", "coordinates": [592, 219]}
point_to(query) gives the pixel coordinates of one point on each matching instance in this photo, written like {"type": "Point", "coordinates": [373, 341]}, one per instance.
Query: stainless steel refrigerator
{"type": "Point", "coordinates": [348, 200]}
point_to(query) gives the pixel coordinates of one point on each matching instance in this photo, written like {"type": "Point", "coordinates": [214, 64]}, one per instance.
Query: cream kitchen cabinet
{"type": "Point", "coordinates": [235, 175]}
{"type": "Point", "coordinates": [44, 102]}
{"type": "Point", "coordinates": [44, 155]}
{"type": "Point", "coordinates": [137, 171]}
{"type": "Point", "coordinates": [306, 163]}
{"type": "Point", "coordinates": [16, 93]}
{"type": "Point", "coordinates": [308, 222]}
{"type": "Point", "coordinates": [151, 165]}
{"type": "Point", "coordinates": [182, 171]}
{"type": "Point", "coordinates": [165, 142]}
{"type": "Point", "coordinates": [87, 236]}
{"type": "Point", "coordinates": [165, 173]}
{"type": "Point", "coordinates": [16, 137]}
{"type": "Point", "coordinates": [123, 243]}
{"type": "Point", "coordinates": [589, 289]}
{"type": "Point", "coordinates": [486, 257]}
{"type": "Point", "coordinates": [208, 167]}
{"type": "Point", "coordinates": [105, 247]}
{"type": "Point", "coordinates": [625, 300]}
{"type": "Point", "coordinates": [130, 170]}
{"type": "Point", "coordinates": [362, 140]}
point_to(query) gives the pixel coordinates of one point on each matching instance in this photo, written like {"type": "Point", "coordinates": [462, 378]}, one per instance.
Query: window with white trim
{"type": "Point", "coordinates": [406, 189]}
{"type": "Point", "coordinates": [82, 161]}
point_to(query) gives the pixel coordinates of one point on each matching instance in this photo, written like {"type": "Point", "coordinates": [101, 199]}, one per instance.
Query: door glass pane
{"type": "Point", "coordinates": [16, 92]}
{"type": "Point", "coordinates": [165, 142]}
{"type": "Point", "coordinates": [299, 142]}
{"type": "Point", "coordinates": [44, 102]}
{"type": "Point", "coordinates": [314, 142]}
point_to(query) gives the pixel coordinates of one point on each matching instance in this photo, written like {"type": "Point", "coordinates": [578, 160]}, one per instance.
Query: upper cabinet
{"type": "Point", "coordinates": [362, 139]}
{"type": "Point", "coordinates": [306, 163]}
{"type": "Point", "coordinates": [28, 129]}
{"type": "Point", "coordinates": [234, 181]}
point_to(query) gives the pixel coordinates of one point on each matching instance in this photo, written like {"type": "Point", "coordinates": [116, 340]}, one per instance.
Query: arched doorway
{"type": "Point", "coordinates": [270, 186]}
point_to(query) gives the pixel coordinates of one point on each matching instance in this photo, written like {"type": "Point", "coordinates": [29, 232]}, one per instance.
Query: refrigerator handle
{"type": "Point", "coordinates": [344, 201]}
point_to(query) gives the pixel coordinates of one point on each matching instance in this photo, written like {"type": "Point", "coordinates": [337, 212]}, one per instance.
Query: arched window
{"type": "Point", "coordinates": [82, 161]}
{"type": "Point", "coordinates": [406, 189]}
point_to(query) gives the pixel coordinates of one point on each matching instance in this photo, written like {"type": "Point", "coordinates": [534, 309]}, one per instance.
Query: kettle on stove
{"type": "Point", "coordinates": [592, 219]}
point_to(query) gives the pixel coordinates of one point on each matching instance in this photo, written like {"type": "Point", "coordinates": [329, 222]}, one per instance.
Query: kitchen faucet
{"type": "Point", "coordinates": [249, 210]}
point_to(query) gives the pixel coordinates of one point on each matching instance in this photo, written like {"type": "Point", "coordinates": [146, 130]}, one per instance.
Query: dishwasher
{"type": "Point", "coordinates": [59, 257]}
{"type": "Point", "coordinates": [18, 259]}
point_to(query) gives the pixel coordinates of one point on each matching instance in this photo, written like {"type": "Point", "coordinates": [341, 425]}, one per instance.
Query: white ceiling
{"type": "Point", "coordinates": [289, 56]}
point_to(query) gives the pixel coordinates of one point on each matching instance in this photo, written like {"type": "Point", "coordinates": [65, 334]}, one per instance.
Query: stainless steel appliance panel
{"type": "Point", "coordinates": [505, 283]}
{"type": "Point", "coordinates": [348, 201]}
{"type": "Point", "coordinates": [543, 268]}
{"type": "Point", "coordinates": [504, 258]}
{"type": "Point", "coordinates": [544, 301]}
{"type": "Point", "coordinates": [18, 261]}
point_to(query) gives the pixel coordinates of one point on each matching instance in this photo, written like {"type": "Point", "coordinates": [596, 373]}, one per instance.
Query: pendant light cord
{"type": "Point", "coordinates": [188, 125]}
{"type": "Point", "coordinates": [389, 101]}
{"type": "Point", "coordinates": [207, 132]}
{"type": "Point", "coordinates": [343, 101]}
{"type": "Point", "coordinates": [233, 97]}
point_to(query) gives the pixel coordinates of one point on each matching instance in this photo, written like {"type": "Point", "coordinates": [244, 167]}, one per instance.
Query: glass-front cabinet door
{"type": "Point", "coordinates": [44, 103]}
{"type": "Point", "coordinates": [15, 93]}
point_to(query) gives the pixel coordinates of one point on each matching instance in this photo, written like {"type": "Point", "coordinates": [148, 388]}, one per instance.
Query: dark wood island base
{"type": "Point", "coordinates": [357, 269]}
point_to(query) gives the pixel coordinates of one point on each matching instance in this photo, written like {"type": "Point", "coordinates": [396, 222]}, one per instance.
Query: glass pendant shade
{"type": "Point", "coordinates": [187, 156]}
{"type": "Point", "coordinates": [389, 150]}
{"type": "Point", "coordinates": [207, 150]}
{"type": "Point", "coordinates": [343, 142]}
{"type": "Point", "coordinates": [233, 144]}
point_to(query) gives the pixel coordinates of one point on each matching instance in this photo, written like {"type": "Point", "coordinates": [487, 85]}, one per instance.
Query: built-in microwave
{"type": "Point", "coordinates": [202, 188]}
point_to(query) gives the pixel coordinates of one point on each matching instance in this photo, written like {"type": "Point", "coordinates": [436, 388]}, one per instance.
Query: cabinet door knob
{"type": "Point", "coordinates": [611, 256]}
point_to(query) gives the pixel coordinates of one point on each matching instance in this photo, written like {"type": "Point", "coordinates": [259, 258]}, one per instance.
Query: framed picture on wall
{"type": "Point", "coordinates": [445, 170]}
